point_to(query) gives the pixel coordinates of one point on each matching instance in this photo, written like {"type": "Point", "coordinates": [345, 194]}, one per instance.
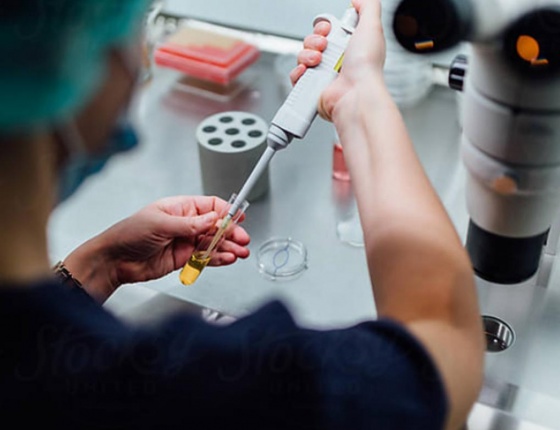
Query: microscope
{"type": "Point", "coordinates": [510, 144]}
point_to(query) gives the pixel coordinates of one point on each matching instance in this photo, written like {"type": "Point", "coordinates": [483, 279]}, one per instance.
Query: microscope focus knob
{"type": "Point", "coordinates": [458, 72]}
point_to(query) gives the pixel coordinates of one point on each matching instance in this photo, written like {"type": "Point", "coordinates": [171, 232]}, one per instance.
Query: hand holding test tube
{"type": "Point", "coordinates": [210, 242]}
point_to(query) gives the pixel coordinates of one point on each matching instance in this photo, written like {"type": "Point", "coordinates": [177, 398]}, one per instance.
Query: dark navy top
{"type": "Point", "coordinates": [67, 362]}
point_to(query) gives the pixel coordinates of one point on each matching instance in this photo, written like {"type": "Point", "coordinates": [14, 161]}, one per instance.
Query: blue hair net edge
{"type": "Point", "coordinates": [32, 104]}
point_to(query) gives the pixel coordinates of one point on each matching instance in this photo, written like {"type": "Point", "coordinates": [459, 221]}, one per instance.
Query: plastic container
{"type": "Point", "coordinates": [340, 170]}
{"type": "Point", "coordinates": [206, 55]}
{"type": "Point", "coordinates": [348, 227]}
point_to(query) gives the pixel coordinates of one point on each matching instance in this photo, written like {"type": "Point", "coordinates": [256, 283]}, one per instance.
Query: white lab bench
{"type": "Point", "coordinates": [522, 389]}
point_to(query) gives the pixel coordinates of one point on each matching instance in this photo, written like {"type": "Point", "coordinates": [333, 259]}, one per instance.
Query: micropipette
{"type": "Point", "coordinates": [293, 120]}
{"type": "Point", "coordinates": [295, 116]}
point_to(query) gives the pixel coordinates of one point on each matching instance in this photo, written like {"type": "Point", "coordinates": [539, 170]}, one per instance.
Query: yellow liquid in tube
{"type": "Point", "coordinates": [192, 269]}
{"type": "Point", "coordinates": [200, 259]}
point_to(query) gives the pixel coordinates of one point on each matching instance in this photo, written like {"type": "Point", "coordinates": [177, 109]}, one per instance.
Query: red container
{"type": "Point", "coordinates": [206, 55]}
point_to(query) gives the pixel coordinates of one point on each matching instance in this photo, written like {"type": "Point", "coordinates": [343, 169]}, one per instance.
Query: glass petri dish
{"type": "Point", "coordinates": [282, 258]}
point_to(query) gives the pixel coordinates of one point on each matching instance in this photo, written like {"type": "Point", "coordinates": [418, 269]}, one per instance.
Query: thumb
{"type": "Point", "coordinates": [181, 226]}
{"type": "Point", "coordinates": [200, 224]}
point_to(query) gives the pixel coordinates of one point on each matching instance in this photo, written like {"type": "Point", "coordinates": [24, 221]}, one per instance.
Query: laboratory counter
{"type": "Point", "coordinates": [307, 205]}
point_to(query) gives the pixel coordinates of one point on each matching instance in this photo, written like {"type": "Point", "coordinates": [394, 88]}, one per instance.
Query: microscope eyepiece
{"type": "Point", "coordinates": [432, 25]}
{"type": "Point", "coordinates": [532, 44]}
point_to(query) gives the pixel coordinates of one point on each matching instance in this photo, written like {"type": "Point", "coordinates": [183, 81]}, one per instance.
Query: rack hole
{"type": "Point", "coordinates": [209, 129]}
{"type": "Point", "coordinates": [216, 141]}
{"type": "Point", "coordinates": [239, 144]}
{"type": "Point", "coordinates": [248, 121]}
{"type": "Point", "coordinates": [232, 131]}
{"type": "Point", "coordinates": [255, 133]}
{"type": "Point", "coordinates": [226, 119]}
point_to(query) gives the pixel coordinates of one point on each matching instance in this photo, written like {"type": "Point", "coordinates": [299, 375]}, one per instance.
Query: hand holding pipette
{"type": "Point", "coordinates": [295, 116]}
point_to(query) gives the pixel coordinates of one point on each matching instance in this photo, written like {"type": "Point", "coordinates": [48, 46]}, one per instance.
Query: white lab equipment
{"type": "Point", "coordinates": [511, 122]}
{"type": "Point", "coordinates": [408, 77]}
{"type": "Point", "coordinates": [286, 18]}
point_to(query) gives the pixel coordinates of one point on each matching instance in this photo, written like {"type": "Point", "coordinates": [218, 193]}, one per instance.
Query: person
{"type": "Point", "coordinates": [66, 362]}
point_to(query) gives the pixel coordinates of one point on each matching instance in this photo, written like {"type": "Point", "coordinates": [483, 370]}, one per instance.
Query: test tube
{"type": "Point", "coordinates": [340, 170]}
{"type": "Point", "coordinates": [209, 243]}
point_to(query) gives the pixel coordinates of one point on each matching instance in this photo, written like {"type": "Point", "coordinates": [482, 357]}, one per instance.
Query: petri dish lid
{"type": "Point", "coordinates": [282, 258]}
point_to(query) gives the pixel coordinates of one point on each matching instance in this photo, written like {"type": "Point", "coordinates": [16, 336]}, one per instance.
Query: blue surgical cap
{"type": "Point", "coordinates": [52, 55]}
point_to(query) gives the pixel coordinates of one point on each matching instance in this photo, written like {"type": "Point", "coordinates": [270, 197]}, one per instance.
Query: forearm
{"type": "Point", "coordinates": [420, 272]}
{"type": "Point", "coordinates": [414, 253]}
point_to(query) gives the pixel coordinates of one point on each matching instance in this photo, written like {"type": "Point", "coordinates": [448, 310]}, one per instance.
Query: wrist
{"type": "Point", "coordinates": [66, 277]}
{"type": "Point", "coordinates": [90, 265]}
{"type": "Point", "coordinates": [366, 96]}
